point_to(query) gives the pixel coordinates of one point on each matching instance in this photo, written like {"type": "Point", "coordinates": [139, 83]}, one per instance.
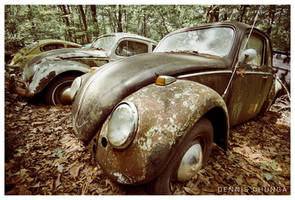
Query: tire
{"type": "Point", "coordinates": [56, 87]}
{"type": "Point", "coordinates": [202, 133]}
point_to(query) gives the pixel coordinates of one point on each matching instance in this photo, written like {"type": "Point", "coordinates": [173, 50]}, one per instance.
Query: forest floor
{"type": "Point", "coordinates": [43, 156]}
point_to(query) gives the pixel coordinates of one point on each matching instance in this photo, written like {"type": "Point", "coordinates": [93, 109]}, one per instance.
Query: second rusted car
{"type": "Point", "coordinates": [27, 53]}
{"type": "Point", "coordinates": [53, 72]}
{"type": "Point", "coordinates": [152, 118]}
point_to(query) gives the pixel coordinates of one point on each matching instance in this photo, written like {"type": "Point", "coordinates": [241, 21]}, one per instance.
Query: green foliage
{"type": "Point", "coordinates": [58, 152]}
{"type": "Point", "coordinates": [27, 23]}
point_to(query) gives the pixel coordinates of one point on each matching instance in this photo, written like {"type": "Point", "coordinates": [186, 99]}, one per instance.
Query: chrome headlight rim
{"type": "Point", "coordinates": [75, 87]}
{"type": "Point", "coordinates": [132, 133]}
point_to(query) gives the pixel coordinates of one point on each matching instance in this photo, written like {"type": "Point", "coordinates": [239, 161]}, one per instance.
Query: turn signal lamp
{"type": "Point", "coordinates": [92, 69]}
{"type": "Point", "coordinates": [165, 80]}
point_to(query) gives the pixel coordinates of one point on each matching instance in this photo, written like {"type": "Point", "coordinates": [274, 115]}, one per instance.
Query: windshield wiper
{"type": "Point", "coordinates": [192, 52]}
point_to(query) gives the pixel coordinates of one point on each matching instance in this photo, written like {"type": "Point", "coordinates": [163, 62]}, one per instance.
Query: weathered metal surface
{"type": "Point", "coordinates": [58, 55]}
{"type": "Point", "coordinates": [27, 53]}
{"type": "Point", "coordinates": [160, 129]}
{"type": "Point", "coordinates": [105, 88]}
{"type": "Point", "coordinates": [45, 74]}
{"type": "Point", "coordinates": [166, 113]}
{"type": "Point", "coordinates": [59, 60]}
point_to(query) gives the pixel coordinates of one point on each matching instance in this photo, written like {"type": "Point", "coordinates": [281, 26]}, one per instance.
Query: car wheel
{"type": "Point", "coordinates": [189, 158]}
{"type": "Point", "coordinates": [56, 91]}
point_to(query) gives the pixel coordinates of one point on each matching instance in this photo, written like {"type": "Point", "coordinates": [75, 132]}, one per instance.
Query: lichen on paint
{"type": "Point", "coordinates": [122, 179]}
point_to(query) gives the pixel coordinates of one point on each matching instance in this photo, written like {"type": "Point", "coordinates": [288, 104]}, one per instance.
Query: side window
{"type": "Point", "coordinates": [130, 48]}
{"type": "Point", "coordinates": [257, 43]}
{"type": "Point", "coordinates": [153, 47]}
{"type": "Point", "coordinates": [49, 47]}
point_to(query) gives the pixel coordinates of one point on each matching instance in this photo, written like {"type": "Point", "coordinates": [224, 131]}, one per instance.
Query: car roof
{"type": "Point", "coordinates": [129, 35]}
{"type": "Point", "coordinates": [57, 41]}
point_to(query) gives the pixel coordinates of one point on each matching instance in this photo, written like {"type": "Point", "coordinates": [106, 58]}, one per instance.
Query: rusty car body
{"type": "Point", "coordinates": [25, 54]}
{"type": "Point", "coordinates": [152, 118]}
{"type": "Point", "coordinates": [54, 71]}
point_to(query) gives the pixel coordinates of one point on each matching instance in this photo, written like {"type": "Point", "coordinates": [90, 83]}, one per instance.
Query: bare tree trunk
{"type": "Point", "coordinates": [112, 20]}
{"type": "Point", "coordinates": [144, 23]}
{"type": "Point", "coordinates": [30, 16]}
{"type": "Point", "coordinates": [84, 22]}
{"type": "Point", "coordinates": [126, 20]}
{"type": "Point", "coordinates": [164, 22]}
{"type": "Point", "coordinates": [71, 10]}
{"type": "Point", "coordinates": [243, 8]}
{"type": "Point", "coordinates": [68, 34]}
{"type": "Point", "coordinates": [103, 25]}
{"type": "Point", "coordinates": [212, 14]}
{"type": "Point", "coordinates": [94, 20]}
{"type": "Point", "coordinates": [120, 28]}
{"type": "Point", "coordinates": [272, 18]}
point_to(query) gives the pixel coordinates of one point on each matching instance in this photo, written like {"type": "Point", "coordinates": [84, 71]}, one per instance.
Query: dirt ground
{"type": "Point", "coordinates": [43, 156]}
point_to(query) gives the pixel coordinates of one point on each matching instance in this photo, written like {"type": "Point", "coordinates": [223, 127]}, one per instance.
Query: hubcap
{"type": "Point", "coordinates": [191, 163]}
{"type": "Point", "coordinates": [65, 95]}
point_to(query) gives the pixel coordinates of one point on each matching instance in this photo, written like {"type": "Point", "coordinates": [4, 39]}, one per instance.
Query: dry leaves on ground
{"type": "Point", "coordinates": [43, 156]}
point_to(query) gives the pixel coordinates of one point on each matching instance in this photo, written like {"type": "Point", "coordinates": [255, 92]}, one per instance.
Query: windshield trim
{"type": "Point", "coordinates": [105, 36]}
{"type": "Point", "coordinates": [209, 26]}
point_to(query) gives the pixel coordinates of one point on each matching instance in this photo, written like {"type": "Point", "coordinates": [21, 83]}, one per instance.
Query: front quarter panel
{"type": "Point", "coordinates": [166, 115]}
{"type": "Point", "coordinates": [49, 70]}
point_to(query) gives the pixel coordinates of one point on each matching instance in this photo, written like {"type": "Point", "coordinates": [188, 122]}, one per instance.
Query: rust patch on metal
{"type": "Point", "coordinates": [44, 81]}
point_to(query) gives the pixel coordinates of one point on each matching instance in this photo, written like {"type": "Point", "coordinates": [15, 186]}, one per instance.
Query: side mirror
{"type": "Point", "coordinates": [247, 56]}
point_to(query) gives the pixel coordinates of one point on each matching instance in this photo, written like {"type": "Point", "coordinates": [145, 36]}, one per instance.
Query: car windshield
{"type": "Point", "coordinates": [104, 43]}
{"type": "Point", "coordinates": [214, 41]}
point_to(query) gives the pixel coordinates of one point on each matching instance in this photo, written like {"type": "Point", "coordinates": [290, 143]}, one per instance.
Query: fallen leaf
{"type": "Point", "coordinates": [57, 181]}
{"type": "Point", "coordinates": [9, 165]}
{"type": "Point", "coordinates": [268, 176]}
{"type": "Point", "coordinates": [252, 181]}
{"type": "Point", "coordinates": [59, 167]}
{"type": "Point", "coordinates": [191, 191]}
{"type": "Point", "coordinates": [239, 180]}
{"type": "Point", "coordinates": [74, 171]}
{"type": "Point", "coordinates": [58, 152]}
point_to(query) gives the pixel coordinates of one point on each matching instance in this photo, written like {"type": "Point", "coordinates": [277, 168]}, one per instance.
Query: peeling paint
{"type": "Point", "coordinates": [44, 69]}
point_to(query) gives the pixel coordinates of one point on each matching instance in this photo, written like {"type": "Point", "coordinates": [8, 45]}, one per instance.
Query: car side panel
{"type": "Point", "coordinates": [248, 92]}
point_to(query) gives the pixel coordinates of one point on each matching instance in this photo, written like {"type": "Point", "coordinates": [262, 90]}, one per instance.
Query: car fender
{"type": "Point", "coordinates": [166, 114]}
{"type": "Point", "coordinates": [45, 74]}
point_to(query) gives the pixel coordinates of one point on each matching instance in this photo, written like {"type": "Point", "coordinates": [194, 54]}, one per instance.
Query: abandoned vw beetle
{"type": "Point", "coordinates": [27, 53]}
{"type": "Point", "coordinates": [54, 71]}
{"type": "Point", "coordinates": [152, 118]}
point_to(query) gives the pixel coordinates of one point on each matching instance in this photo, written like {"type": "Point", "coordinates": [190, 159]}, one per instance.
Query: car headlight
{"type": "Point", "coordinates": [122, 125]}
{"type": "Point", "coordinates": [75, 87]}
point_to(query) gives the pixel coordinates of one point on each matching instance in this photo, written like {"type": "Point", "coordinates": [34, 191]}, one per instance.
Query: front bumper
{"type": "Point", "coordinates": [20, 87]}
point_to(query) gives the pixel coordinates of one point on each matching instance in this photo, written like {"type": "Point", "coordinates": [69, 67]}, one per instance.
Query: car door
{"type": "Point", "coordinates": [252, 81]}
